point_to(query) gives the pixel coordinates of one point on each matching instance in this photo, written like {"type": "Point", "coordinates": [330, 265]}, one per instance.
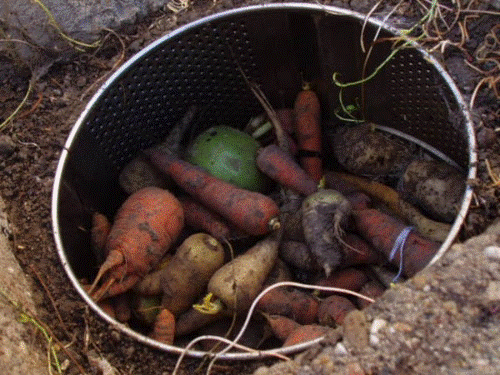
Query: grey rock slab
{"type": "Point", "coordinates": [83, 20]}
{"type": "Point", "coordinates": [19, 354]}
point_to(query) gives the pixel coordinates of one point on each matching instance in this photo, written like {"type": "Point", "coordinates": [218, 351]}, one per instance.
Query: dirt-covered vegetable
{"type": "Point", "coordinates": [362, 150]}
{"type": "Point", "coordinates": [324, 216]}
{"type": "Point", "coordinates": [186, 275]}
{"type": "Point", "coordinates": [145, 227]}
{"type": "Point", "coordinates": [239, 281]}
{"type": "Point", "coordinates": [435, 187]}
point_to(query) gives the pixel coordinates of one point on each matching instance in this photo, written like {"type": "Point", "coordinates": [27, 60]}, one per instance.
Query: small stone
{"type": "Point", "coordinates": [402, 327]}
{"type": "Point", "coordinates": [356, 329]}
{"type": "Point", "coordinates": [492, 252]}
{"type": "Point", "coordinates": [493, 291]}
{"type": "Point", "coordinates": [81, 81]}
{"type": "Point", "coordinates": [450, 307]}
{"type": "Point", "coordinates": [420, 281]}
{"type": "Point", "coordinates": [7, 145]}
{"type": "Point", "coordinates": [376, 326]}
{"type": "Point", "coordinates": [340, 349]}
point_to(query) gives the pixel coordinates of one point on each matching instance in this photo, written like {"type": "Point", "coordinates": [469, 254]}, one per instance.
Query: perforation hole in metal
{"type": "Point", "coordinates": [199, 68]}
{"type": "Point", "coordinates": [419, 97]}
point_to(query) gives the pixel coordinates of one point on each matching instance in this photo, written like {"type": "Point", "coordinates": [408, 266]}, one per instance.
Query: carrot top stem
{"type": "Point", "coordinates": [114, 258]}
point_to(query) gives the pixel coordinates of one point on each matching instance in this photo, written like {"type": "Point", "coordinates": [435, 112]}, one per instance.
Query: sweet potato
{"type": "Point", "coordinates": [186, 276]}
{"type": "Point", "coordinates": [238, 282]}
{"type": "Point", "coordinates": [308, 132]}
{"type": "Point", "coordinates": [324, 214]}
{"type": "Point", "coordinates": [252, 212]}
{"type": "Point", "coordinates": [145, 227]}
{"type": "Point", "coordinates": [282, 168]}
{"type": "Point", "coordinates": [333, 309]}
{"type": "Point", "coordinates": [192, 319]}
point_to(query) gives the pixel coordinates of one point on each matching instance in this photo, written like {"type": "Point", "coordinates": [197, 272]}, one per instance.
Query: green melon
{"type": "Point", "coordinates": [229, 154]}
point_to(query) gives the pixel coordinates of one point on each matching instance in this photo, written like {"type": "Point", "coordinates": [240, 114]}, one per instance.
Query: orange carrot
{"type": "Point", "coordinates": [306, 333]}
{"type": "Point", "coordinates": [293, 303]}
{"type": "Point", "coordinates": [383, 231]}
{"type": "Point", "coordinates": [123, 310]}
{"type": "Point", "coordinates": [106, 305]}
{"type": "Point", "coordinates": [282, 168]}
{"type": "Point", "coordinates": [358, 251]}
{"type": "Point", "coordinates": [199, 217]}
{"type": "Point", "coordinates": [287, 119]}
{"type": "Point", "coordinates": [252, 212]}
{"type": "Point", "coordinates": [372, 289]}
{"type": "Point", "coordinates": [145, 227]}
{"type": "Point", "coordinates": [281, 326]}
{"type": "Point", "coordinates": [99, 233]}
{"type": "Point", "coordinates": [348, 278]}
{"type": "Point", "coordinates": [333, 309]}
{"type": "Point", "coordinates": [164, 327]}
{"type": "Point", "coordinates": [308, 131]}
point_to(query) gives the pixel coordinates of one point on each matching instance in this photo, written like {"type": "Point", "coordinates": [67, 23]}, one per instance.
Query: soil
{"type": "Point", "coordinates": [445, 320]}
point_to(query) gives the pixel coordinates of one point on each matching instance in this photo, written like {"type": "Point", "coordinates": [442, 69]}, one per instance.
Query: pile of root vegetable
{"type": "Point", "coordinates": [197, 240]}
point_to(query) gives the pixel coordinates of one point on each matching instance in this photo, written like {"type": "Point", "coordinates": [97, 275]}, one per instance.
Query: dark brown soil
{"type": "Point", "coordinates": [30, 147]}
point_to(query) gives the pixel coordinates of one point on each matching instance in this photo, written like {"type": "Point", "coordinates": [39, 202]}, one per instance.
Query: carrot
{"type": "Point", "coordinates": [199, 217]}
{"type": "Point", "coordinates": [382, 231]}
{"type": "Point", "coordinates": [348, 278]}
{"type": "Point", "coordinates": [99, 233]}
{"type": "Point", "coordinates": [359, 251]}
{"type": "Point", "coordinates": [281, 326]}
{"type": "Point", "coordinates": [282, 168]}
{"type": "Point", "coordinates": [333, 309]}
{"type": "Point", "coordinates": [308, 131]}
{"type": "Point", "coordinates": [431, 229]}
{"type": "Point", "coordinates": [306, 333]}
{"type": "Point", "coordinates": [250, 211]}
{"type": "Point", "coordinates": [123, 310]}
{"type": "Point", "coordinates": [106, 305]}
{"type": "Point", "coordinates": [293, 303]}
{"type": "Point", "coordinates": [286, 117]}
{"type": "Point", "coordinates": [145, 227]}
{"type": "Point", "coordinates": [372, 289]}
{"type": "Point", "coordinates": [164, 327]}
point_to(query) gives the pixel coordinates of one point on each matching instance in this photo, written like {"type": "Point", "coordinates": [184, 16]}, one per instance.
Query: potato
{"type": "Point", "coordinates": [364, 151]}
{"type": "Point", "coordinates": [435, 187]}
{"type": "Point", "coordinates": [238, 282]}
{"type": "Point", "coordinates": [186, 276]}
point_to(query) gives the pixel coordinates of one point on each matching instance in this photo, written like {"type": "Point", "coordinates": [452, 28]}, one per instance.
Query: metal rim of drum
{"type": "Point", "coordinates": [220, 16]}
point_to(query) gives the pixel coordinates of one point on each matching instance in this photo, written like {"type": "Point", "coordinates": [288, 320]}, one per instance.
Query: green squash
{"type": "Point", "coordinates": [229, 154]}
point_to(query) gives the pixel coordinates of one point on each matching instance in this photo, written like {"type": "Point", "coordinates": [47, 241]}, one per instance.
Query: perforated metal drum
{"type": "Point", "coordinates": [275, 45]}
